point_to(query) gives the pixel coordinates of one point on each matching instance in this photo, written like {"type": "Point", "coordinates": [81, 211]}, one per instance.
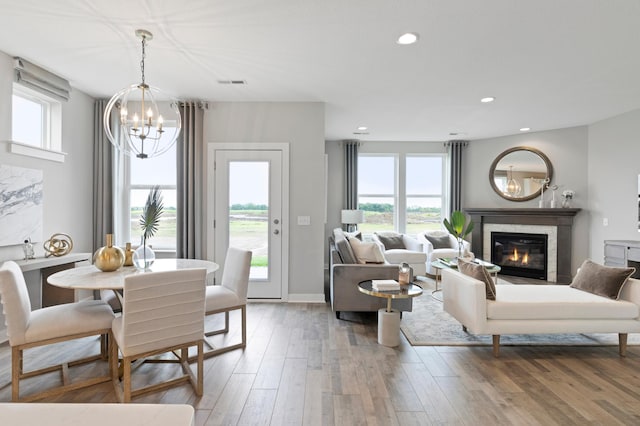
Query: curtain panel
{"type": "Point", "coordinates": [455, 150]}
{"type": "Point", "coordinates": [103, 221]}
{"type": "Point", "coordinates": [190, 186]}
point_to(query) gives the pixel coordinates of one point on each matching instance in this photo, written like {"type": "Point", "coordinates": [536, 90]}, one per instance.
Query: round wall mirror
{"type": "Point", "coordinates": [519, 173]}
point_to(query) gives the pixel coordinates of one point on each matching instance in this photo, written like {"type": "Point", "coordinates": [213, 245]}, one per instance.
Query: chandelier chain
{"type": "Point", "coordinates": [144, 42]}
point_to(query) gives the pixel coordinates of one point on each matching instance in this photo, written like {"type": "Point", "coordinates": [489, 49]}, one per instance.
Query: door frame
{"type": "Point", "coordinates": [212, 147]}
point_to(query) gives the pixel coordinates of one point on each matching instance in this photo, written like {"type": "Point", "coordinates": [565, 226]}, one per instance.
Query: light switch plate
{"type": "Point", "coordinates": [304, 220]}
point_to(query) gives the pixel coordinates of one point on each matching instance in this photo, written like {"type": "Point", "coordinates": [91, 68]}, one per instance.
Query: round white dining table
{"type": "Point", "coordinates": [91, 278]}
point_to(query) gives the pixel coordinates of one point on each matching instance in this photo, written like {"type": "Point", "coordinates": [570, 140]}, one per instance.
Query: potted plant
{"type": "Point", "coordinates": [459, 226]}
{"type": "Point", "coordinates": [149, 222]}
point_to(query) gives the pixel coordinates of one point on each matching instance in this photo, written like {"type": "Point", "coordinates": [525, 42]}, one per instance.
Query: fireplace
{"type": "Point", "coordinates": [520, 254]}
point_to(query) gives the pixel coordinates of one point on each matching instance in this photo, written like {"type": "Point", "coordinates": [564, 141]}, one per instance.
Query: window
{"type": "Point", "coordinates": [142, 175]}
{"type": "Point", "coordinates": [404, 192]}
{"type": "Point", "coordinates": [36, 119]}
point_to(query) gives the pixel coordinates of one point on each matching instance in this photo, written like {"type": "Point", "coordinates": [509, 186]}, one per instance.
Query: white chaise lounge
{"type": "Point", "coordinates": [533, 309]}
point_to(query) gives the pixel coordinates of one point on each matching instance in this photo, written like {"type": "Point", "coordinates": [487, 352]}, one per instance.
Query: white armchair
{"type": "Point", "coordinates": [440, 244]}
{"type": "Point", "coordinates": [399, 248]}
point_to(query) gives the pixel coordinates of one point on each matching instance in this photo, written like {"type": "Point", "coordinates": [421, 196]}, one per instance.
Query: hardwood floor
{"type": "Point", "coordinates": [303, 366]}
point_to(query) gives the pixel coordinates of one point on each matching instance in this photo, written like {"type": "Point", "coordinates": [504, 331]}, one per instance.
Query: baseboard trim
{"type": "Point", "coordinates": [306, 298]}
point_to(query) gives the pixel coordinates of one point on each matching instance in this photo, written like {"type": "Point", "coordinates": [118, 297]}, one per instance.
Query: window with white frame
{"type": "Point", "coordinates": [140, 175]}
{"type": "Point", "coordinates": [402, 192]}
{"type": "Point", "coordinates": [36, 119]}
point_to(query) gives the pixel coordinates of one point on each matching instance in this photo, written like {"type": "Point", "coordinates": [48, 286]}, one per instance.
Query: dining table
{"type": "Point", "coordinates": [91, 278]}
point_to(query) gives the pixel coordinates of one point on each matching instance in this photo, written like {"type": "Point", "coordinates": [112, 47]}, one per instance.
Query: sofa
{"type": "Point", "coordinates": [441, 245]}
{"type": "Point", "coordinates": [402, 248]}
{"type": "Point", "coordinates": [345, 275]}
{"type": "Point", "coordinates": [534, 309]}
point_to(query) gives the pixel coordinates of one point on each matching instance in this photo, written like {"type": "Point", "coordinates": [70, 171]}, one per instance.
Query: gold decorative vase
{"type": "Point", "coordinates": [128, 255]}
{"type": "Point", "coordinates": [110, 257]}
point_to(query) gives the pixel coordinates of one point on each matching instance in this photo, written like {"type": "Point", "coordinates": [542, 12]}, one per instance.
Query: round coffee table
{"type": "Point", "coordinates": [388, 319]}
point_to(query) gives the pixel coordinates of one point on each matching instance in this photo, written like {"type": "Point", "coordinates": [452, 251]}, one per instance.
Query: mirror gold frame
{"type": "Point", "coordinates": [532, 170]}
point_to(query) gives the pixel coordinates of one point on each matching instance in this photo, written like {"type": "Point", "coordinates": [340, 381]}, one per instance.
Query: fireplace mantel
{"type": "Point", "coordinates": [562, 219]}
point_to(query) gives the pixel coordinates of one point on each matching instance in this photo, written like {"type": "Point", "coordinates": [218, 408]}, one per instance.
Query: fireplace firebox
{"type": "Point", "coordinates": [519, 254]}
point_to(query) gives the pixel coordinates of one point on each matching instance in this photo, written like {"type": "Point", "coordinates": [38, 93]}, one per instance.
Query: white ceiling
{"type": "Point", "coordinates": [549, 63]}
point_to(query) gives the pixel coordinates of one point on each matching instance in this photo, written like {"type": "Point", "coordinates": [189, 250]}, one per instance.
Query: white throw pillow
{"type": "Point", "coordinates": [366, 252]}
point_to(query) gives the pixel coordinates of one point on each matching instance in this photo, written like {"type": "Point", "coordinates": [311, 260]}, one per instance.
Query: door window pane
{"type": "Point", "coordinates": [249, 213]}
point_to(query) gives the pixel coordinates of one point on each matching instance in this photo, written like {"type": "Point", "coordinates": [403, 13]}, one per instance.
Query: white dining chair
{"type": "Point", "coordinates": [162, 312]}
{"type": "Point", "coordinates": [231, 295]}
{"type": "Point", "coordinates": [29, 329]}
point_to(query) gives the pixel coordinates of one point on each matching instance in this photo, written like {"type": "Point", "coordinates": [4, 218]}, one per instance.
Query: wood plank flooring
{"type": "Point", "coordinates": [303, 366]}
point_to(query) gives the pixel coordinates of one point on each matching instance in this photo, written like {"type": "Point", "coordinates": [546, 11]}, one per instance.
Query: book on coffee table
{"type": "Point", "coordinates": [385, 285]}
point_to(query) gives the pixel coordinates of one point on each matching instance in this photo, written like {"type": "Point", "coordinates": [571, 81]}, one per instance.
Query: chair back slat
{"type": "Point", "coordinates": [235, 275]}
{"type": "Point", "coordinates": [162, 309]}
{"type": "Point", "coordinates": [16, 304]}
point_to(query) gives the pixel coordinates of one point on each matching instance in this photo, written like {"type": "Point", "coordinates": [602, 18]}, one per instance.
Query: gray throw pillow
{"type": "Point", "coordinates": [439, 242]}
{"type": "Point", "coordinates": [391, 240]}
{"type": "Point", "coordinates": [480, 273]}
{"type": "Point", "coordinates": [602, 280]}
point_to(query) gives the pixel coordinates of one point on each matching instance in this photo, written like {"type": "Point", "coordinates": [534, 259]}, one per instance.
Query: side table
{"type": "Point", "coordinates": [388, 319]}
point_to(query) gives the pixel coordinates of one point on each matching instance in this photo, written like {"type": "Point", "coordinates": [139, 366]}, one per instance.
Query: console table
{"type": "Point", "coordinates": [623, 253]}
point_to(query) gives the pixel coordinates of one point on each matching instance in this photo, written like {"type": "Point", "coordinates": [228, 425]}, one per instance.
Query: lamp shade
{"type": "Point", "coordinates": [350, 217]}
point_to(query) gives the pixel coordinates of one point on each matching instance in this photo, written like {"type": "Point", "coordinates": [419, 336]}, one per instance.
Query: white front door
{"type": "Point", "coordinates": [248, 206]}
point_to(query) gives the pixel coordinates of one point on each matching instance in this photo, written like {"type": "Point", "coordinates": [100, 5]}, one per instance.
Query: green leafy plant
{"type": "Point", "coordinates": [459, 226]}
{"type": "Point", "coordinates": [151, 213]}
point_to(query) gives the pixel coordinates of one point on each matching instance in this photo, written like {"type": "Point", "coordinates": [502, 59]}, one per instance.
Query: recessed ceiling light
{"type": "Point", "coordinates": [362, 127]}
{"type": "Point", "coordinates": [487, 99]}
{"type": "Point", "coordinates": [525, 129]}
{"type": "Point", "coordinates": [407, 38]}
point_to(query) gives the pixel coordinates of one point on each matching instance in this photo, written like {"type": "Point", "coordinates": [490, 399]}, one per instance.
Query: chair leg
{"type": "Point", "coordinates": [126, 378]}
{"type": "Point", "coordinates": [226, 322]}
{"type": "Point", "coordinates": [200, 387]}
{"type": "Point", "coordinates": [244, 326]}
{"type": "Point", "coordinates": [16, 371]}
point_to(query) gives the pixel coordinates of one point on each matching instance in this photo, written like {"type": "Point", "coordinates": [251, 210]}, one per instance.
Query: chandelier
{"type": "Point", "coordinates": [140, 129]}
{"type": "Point", "coordinates": [513, 187]}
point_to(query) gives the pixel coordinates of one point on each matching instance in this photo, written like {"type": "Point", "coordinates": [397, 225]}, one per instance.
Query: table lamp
{"type": "Point", "coordinates": [352, 218]}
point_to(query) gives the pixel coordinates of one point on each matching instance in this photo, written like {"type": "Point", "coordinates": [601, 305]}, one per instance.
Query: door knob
{"type": "Point", "coordinates": [276, 221]}
{"type": "Point", "coordinates": [276, 232]}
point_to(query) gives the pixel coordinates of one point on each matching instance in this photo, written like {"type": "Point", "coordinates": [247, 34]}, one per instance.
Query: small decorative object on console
{"type": "Point", "coordinates": [58, 245]}
{"type": "Point", "coordinates": [28, 249]}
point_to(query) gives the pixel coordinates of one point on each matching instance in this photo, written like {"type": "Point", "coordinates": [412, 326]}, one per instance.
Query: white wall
{"type": "Point", "coordinates": [67, 190]}
{"type": "Point", "coordinates": [613, 168]}
{"type": "Point", "coordinates": [567, 151]}
{"type": "Point", "coordinates": [301, 125]}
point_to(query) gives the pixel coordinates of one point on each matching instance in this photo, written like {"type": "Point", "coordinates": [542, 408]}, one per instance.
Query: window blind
{"type": "Point", "coordinates": [39, 79]}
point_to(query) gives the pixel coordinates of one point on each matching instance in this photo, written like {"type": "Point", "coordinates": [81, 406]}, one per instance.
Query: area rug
{"type": "Point", "coordinates": [429, 325]}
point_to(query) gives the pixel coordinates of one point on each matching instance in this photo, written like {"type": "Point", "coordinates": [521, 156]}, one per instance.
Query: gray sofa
{"type": "Point", "coordinates": [345, 274]}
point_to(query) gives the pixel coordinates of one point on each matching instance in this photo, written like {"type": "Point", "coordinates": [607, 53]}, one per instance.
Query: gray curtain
{"type": "Point", "coordinates": [190, 165]}
{"type": "Point", "coordinates": [350, 175]}
{"type": "Point", "coordinates": [455, 150]}
{"type": "Point", "coordinates": [103, 221]}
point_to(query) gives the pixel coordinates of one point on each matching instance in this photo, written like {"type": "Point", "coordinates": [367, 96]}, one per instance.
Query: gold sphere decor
{"type": "Point", "coordinates": [58, 245]}
{"type": "Point", "coordinates": [110, 257]}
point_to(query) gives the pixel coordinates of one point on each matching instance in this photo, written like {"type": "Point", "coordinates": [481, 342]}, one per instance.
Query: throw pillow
{"type": "Point", "coordinates": [602, 280]}
{"type": "Point", "coordinates": [366, 252]}
{"type": "Point", "coordinates": [439, 242]}
{"type": "Point", "coordinates": [480, 273]}
{"type": "Point", "coordinates": [355, 234]}
{"type": "Point", "coordinates": [391, 240]}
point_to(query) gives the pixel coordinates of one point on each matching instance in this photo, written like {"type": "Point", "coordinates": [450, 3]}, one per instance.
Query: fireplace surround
{"type": "Point", "coordinates": [556, 223]}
